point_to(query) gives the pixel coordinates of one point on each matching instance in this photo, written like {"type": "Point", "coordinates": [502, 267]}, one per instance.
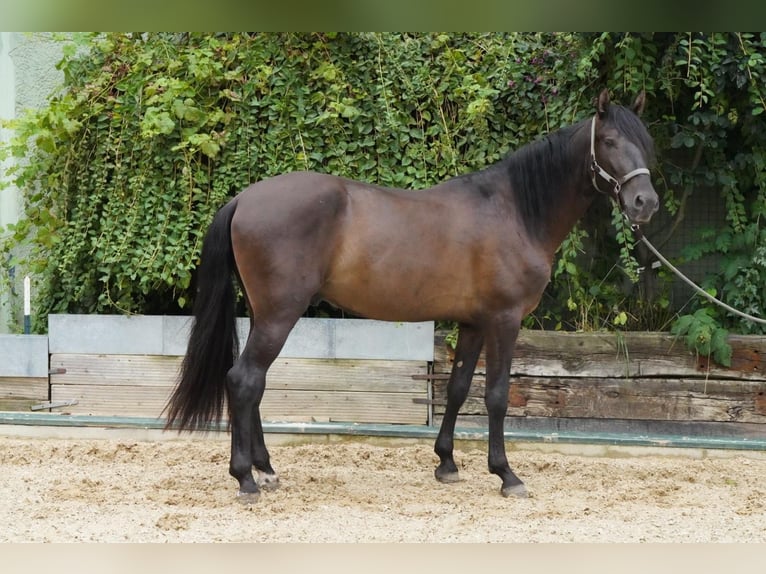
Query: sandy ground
{"type": "Point", "coordinates": [114, 490]}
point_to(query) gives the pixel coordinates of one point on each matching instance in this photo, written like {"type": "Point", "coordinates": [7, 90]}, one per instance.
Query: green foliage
{"type": "Point", "coordinates": [706, 115]}
{"type": "Point", "coordinates": [703, 334]}
{"type": "Point", "coordinates": [153, 132]}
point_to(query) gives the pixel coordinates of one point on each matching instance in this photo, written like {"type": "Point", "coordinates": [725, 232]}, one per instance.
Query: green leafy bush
{"type": "Point", "coordinates": [153, 132]}
{"type": "Point", "coordinates": [707, 108]}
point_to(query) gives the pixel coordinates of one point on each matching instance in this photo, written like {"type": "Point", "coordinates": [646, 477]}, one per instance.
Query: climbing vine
{"type": "Point", "coordinates": [151, 133]}
{"type": "Point", "coordinates": [708, 103]}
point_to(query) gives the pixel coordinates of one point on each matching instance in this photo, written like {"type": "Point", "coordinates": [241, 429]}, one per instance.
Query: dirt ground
{"type": "Point", "coordinates": [106, 490]}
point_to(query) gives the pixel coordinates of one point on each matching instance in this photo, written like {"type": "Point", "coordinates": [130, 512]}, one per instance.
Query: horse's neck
{"type": "Point", "coordinates": [566, 217]}
{"type": "Point", "coordinates": [574, 199]}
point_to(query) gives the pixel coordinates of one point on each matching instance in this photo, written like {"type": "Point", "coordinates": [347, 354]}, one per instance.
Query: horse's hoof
{"type": "Point", "coordinates": [268, 481]}
{"type": "Point", "coordinates": [248, 498]}
{"type": "Point", "coordinates": [448, 477]}
{"type": "Point", "coordinates": [516, 491]}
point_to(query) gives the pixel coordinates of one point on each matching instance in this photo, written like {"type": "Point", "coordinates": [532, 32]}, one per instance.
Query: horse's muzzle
{"type": "Point", "coordinates": [641, 206]}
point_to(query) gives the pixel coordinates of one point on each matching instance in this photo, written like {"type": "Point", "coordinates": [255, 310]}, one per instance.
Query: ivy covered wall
{"type": "Point", "coordinates": [156, 131]}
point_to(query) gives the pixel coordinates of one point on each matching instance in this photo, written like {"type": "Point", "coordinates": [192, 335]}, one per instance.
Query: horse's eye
{"type": "Point", "coordinates": [609, 142]}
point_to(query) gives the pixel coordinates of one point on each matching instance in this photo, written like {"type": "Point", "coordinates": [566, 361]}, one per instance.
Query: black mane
{"type": "Point", "coordinates": [538, 171]}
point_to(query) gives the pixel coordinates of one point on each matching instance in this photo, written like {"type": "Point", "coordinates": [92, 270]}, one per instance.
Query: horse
{"type": "Point", "coordinates": [476, 249]}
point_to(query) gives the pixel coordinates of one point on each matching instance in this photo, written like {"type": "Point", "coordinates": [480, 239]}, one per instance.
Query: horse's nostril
{"type": "Point", "coordinates": [639, 201]}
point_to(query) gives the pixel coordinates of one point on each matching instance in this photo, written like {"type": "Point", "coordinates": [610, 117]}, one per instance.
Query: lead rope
{"type": "Point", "coordinates": [617, 184]}
{"type": "Point", "coordinates": [640, 235]}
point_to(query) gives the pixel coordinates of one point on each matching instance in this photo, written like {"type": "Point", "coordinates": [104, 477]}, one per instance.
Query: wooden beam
{"type": "Point", "coordinates": [632, 354]}
{"type": "Point", "coordinates": [373, 391]}
{"type": "Point", "coordinates": [659, 398]}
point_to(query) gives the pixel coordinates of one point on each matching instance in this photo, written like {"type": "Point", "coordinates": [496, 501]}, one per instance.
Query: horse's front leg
{"type": "Point", "coordinates": [469, 343]}
{"type": "Point", "coordinates": [500, 344]}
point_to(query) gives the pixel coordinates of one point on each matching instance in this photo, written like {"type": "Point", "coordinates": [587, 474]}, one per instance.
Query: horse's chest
{"type": "Point", "coordinates": [521, 277]}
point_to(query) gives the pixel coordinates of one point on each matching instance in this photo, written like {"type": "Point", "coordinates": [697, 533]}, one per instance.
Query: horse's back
{"type": "Point", "coordinates": [378, 252]}
{"type": "Point", "coordinates": [286, 194]}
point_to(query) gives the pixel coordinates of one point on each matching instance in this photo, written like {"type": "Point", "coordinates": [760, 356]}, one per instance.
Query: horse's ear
{"type": "Point", "coordinates": [638, 105]}
{"type": "Point", "coordinates": [602, 103]}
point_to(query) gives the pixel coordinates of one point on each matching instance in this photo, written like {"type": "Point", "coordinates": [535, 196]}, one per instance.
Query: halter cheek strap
{"type": "Point", "coordinates": [596, 169]}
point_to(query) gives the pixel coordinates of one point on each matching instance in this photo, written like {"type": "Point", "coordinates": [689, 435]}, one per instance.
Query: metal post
{"type": "Point", "coordinates": [27, 306]}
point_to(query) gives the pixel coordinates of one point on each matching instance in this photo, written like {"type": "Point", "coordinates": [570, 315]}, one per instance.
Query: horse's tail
{"type": "Point", "coordinates": [198, 399]}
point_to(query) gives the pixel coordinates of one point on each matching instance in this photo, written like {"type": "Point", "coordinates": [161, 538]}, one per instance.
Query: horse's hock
{"type": "Point", "coordinates": [360, 371]}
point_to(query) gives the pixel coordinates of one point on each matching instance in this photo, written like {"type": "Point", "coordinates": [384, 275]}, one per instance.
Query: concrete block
{"type": "Point", "coordinates": [24, 356]}
{"type": "Point", "coordinates": [175, 334]}
{"type": "Point", "coordinates": [106, 334]}
{"type": "Point", "coordinates": [355, 339]}
{"type": "Point", "coordinates": [311, 338]}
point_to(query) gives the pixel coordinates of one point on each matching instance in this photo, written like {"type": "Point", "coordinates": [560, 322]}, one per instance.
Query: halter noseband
{"type": "Point", "coordinates": [596, 169]}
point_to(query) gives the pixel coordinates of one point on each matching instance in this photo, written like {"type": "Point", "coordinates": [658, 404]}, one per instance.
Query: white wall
{"type": "Point", "coordinates": [9, 201]}
{"type": "Point", "coordinates": [8, 197]}
{"type": "Point", "coordinates": [28, 76]}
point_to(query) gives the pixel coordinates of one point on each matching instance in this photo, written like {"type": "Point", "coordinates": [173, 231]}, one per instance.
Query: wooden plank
{"type": "Point", "coordinates": [338, 406]}
{"type": "Point", "coordinates": [373, 391]}
{"type": "Point", "coordinates": [117, 400]}
{"type": "Point", "coordinates": [309, 374]}
{"type": "Point", "coordinates": [347, 375]}
{"type": "Point", "coordinates": [277, 405]}
{"type": "Point", "coordinates": [633, 354]}
{"type": "Point", "coordinates": [658, 399]}
{"type": "Point", "coordinates": [130, 370]}
{"type": "Point", "coordinates": [20, 393]}
{"type": "Point", "coordinates": [24, 387]}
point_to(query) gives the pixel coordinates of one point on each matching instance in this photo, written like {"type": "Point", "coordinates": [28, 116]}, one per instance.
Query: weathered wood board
{"type": "Point", "coordinates": [591, 397]}
{"type": "Point", "coordinates": [632, 376]}
{"type": "Point", "coordinates": [20, 393]}
{"type": "Point", "coordinates": [348, 390]}
{"type": "Point", "coordinates": [632, 354]}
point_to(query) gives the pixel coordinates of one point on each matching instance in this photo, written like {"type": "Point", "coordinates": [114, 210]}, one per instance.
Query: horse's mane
{"type": "Point", "coordinates": [539, 170]}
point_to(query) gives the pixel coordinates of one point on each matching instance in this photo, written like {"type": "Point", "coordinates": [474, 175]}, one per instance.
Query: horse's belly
{"type": "Point", "coordinates": [397, 299]}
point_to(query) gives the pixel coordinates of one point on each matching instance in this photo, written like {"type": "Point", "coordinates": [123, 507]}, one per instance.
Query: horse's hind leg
{"type": "Point", "coordinates": [267, 477]}
{"type": "Point", "coordinates": [467, 352]}
{"type": "Point", "coordinates": [246, 382]}
{"type": "Point", "coordinates": [501, 341]}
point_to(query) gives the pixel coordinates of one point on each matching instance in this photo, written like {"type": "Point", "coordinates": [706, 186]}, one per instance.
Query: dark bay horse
{"type": "Point", "coordinates": [476, 249]}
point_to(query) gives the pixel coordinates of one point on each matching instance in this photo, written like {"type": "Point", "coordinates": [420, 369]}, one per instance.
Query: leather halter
{"type": "Point", "coordinates": [596, 169]}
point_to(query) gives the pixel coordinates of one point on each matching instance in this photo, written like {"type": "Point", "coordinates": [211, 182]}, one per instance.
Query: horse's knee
{"type": "Point", "coordinates": [496, 400]}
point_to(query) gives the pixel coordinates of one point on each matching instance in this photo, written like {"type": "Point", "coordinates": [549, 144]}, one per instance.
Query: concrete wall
{"type": "Point", "coordinates": [23, 356]}
{"type": "Point", "coordinates": [28, 76]}
{"type": "Point", "coordinates": [311, 338]}
{"type": "Point", "coordinates": [8, 197]}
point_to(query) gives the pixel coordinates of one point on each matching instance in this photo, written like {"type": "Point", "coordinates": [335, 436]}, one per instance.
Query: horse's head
{"type": "Point", "coordinates": [621, 152]}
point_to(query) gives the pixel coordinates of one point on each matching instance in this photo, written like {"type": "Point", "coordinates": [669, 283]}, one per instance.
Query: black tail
{"type": "Point", "coordinates": [198, 398]}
